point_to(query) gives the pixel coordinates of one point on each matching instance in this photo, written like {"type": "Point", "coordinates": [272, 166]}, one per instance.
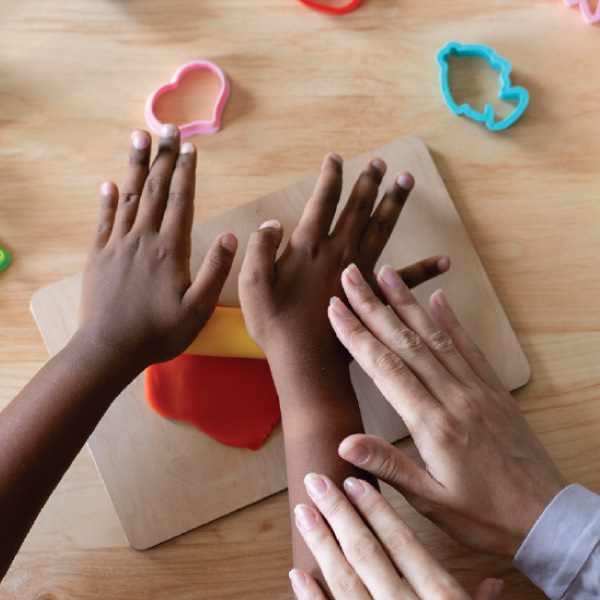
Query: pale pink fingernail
{"type": "Point", "coordinates": [379, 165]}
{"type": "Point", "coordinates": [337, 158]}
{"type": "Point", "coordinates": [443, 264]}
{"type": "Point", "coordinates": [168, 131]}
{"type": "Point", "coordinates": [406, 181]}
{"type": "Point", "coordinates": [297, 579]}
{"type": "Point", "coordinates": [272, 224]}
{"type": "Point", "coordinates": [355, 488]}
{"type": "Point", "coordinates": [316, 486]}
{"type": "Point", "coordinates": [339, 308]}
{"type": "Point", "coordinates": [187, 148]}
{"type": "Point", "coordinates": [305, 517]}
{"type": "Point", "coordinates": [106, 188]}
{"type": "Point", "coordinates": [391, 278]}
{"type": "Point", "coordinates": [229, 242]}
{"type": "Point", "coordinates": [139, 141]}
{"type": "Point", "coordinates": [357, 454]}
{"type": "Point", "coordinates": [354, 275]}
{"type": "Point", "coordinates": [440, 299]}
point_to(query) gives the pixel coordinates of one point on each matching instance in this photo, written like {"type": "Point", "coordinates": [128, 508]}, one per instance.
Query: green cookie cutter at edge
{"type": "Point", "coordinates": [4, 259]}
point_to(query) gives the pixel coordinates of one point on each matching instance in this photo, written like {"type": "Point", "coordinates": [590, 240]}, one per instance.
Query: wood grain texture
{"type": "Point", "coordinates": [163, 476]}
{"type": "Point", "coordinates": [74, 77]}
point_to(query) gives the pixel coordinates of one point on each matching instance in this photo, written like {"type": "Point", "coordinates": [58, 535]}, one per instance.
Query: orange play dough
{"type": "Point", "coordinates": [233, 400]}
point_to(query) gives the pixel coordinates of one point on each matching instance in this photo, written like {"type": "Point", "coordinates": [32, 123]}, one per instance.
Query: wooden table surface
{"type": "Point", "coordinates": [74, 78]}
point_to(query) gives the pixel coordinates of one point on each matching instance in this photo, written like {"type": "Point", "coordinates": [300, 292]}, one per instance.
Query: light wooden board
{"type": "Point", "coordinates": [165, 477]}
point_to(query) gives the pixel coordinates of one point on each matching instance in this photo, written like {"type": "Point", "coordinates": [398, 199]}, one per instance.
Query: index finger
{"type": "Point", "coordinates": [320, 209]}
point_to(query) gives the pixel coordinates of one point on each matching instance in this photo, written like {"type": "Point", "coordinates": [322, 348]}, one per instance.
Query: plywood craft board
{"type": "Point", "coordinates": [165, 477]}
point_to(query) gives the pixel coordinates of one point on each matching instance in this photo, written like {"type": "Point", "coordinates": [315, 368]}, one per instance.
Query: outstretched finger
{"type": "Point", "coordinates": [320, 209]}
{"type": "Point", "coordinates": [179, 213]}
{"type": "Point", "coordinates": [446, 320]}
{"type": "Point", "coordinates": [258, 269]}
{"type": "Point", "coordinates": [424, 270]}
{"type": "Point", "coordinates": [109, 196]}
{"type": "Point", "coordinates": [355, 217]}
{"type": "Point", "coordinates": [488, 589]}
{"type": "Point", "coordinates": [203, 294]}
{"type": "Point", "coordinates": [156, 188]}
{"type": "Point", "coordinates": [420, 568]}
{"type": "Point", "coordinates": [384, 219]}
{"type": "Point", "coordinates": [133, 183]}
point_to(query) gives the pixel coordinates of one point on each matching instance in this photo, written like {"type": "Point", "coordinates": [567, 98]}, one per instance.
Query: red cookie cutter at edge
{"type": "Point", "coordinates": [332, 10]}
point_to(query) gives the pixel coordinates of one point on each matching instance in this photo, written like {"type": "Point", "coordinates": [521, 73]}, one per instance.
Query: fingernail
{"type": "Point", "coordinates": [315, 485]}
{"type": "Point", "coordinates": [355, 276]}
{"type": "Point", "coordinates": [168, 131]}
{"type": "Point", "coordinates": [273, 224]}
{"type": "Point", "coordinates": [297, 579]}
{"type": "Point", "coordinates": [187, 148]}
{"type": "Point", "coordinates": [106, 188]}
{"type": "Point", "coordinates": [406, 181]}
{"type": "Point", "coordinates": [339, 308]}
{"type": "Point", "coordinates": [440, 299]}
{"type": "Point", "coordinates": [357, 454]}
{"type": "Point", "coordinates": [391, 278]}
{"type": "Point", "coordinates": [140, 141]}
{"type": "Point", "coordinates": [443, 264]}
{"type": "Point", "coordinates": [355, 488]}
{"type": "Point", "coordinates": [305, 517]}
{"type": "Point", "coordinates": [498, 588]}
{"type": "Point", "coordinates": [379, 165]}
{"type": "Point", "coordinates": [337, 158]}
{"type": "Point", "coordinates": [229, 242]}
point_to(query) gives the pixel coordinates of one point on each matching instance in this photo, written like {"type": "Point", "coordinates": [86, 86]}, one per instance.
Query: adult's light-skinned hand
{"type": "Point", "coordinates": [384, 560]}
{"type": "Point", "coordinates": [487, 477]}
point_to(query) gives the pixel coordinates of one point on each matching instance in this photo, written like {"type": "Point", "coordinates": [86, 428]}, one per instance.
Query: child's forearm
{"type": "Point", "coordinates": [46, 425]}
{"type": "Point", "coordinates": [319, 409]}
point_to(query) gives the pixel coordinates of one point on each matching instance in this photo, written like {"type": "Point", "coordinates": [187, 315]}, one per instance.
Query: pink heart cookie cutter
{"type": "Point", "coordinates": [586, 10]}
{"type": "Point", "coordinates": [194, 127]}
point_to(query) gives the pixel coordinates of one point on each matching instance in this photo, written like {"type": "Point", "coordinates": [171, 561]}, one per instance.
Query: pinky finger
{"type": "Point", "coordinates": [305, 587]}
{"type": "Point", "coordinates": [109, 197]}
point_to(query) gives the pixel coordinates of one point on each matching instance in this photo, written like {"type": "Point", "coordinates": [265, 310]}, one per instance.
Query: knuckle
{"type": "Point", "coordinates": [138, 158]}
{"type": "Point", "coordinates": [179, 198]}
{"type": "Point", "coordinates": [440, 341]}
{"type": "Point", "coordinates": [382, 226]}
{"type": "Point", "coordinates": [467, 402]}
{"type": "Point", "coordinates": [363, 548]}
{"type": "Point", "coordinates": [363, 206]}
{"type": "Point", "coordinates": [400, 539]}
{"type": "Point", "coordinates": [129, 198]}
{"type": "Point", "coordinates": [369, 305]}
{"type": "Point", "coordinates": [103, 228]}
{"type": "Point", "coordinates": [388, 363]}
{"type": "Point", "coordinates": [346, 583]}
{"type": "Point", "coordinates": [443, 587]}
{"type": "Point", "coordinates": [407, 341]}
{"type": "Point", "coordinates": [156, 185]}
{"type": "Point", "coordinates": [388, 468]}
{"type": "Point", "coordinates": [216, 264]}
{"type": "Point", "coordinates": [359, 337]}
{"type": "Point", "coordinates": [447, 428]}
{"type": "Point", "coordinates": [334, 509]}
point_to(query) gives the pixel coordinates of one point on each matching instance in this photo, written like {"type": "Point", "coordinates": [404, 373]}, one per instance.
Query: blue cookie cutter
{"type": "Point", "coordinates": [507, 91]}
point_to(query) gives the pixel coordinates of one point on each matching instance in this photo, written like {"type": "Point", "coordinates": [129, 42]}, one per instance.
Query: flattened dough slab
{"type": "Point", "coordinates": [165, 477]}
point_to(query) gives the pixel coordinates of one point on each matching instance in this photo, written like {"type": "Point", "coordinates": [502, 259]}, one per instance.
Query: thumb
{"type": "Point", "coordinates": [206, 288]}
{"type": "Point", "coordinates": [386, 462]}
{"type": "Point", "coordinates": [488, 589]}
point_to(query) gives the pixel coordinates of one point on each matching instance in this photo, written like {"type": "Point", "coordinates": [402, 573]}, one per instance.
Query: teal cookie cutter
{"type": "Point", "coordinates": [507, 91]}
{"type": "Point", "coordinates": [4, 259]}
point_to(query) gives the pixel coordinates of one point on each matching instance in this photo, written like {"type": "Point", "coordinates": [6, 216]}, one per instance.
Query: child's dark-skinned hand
{"type": "Point", "coordinates": [138, 298]}
{"type": "Point", "coordinates": [285, 301]}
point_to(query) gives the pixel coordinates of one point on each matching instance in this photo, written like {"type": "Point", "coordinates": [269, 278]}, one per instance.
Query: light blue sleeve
{"type": "Point", "coordinates": [561, 554]}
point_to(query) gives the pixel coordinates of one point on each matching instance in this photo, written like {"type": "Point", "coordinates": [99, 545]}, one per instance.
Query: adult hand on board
{"type": "Point", "coordinates": [384, 560]}
{"type": "Point", "coordinates": [487, 478]}
{"type": "Point", "coordinates": [284, 300]}
{"type": "Point", "coordinates": [138, 298]}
